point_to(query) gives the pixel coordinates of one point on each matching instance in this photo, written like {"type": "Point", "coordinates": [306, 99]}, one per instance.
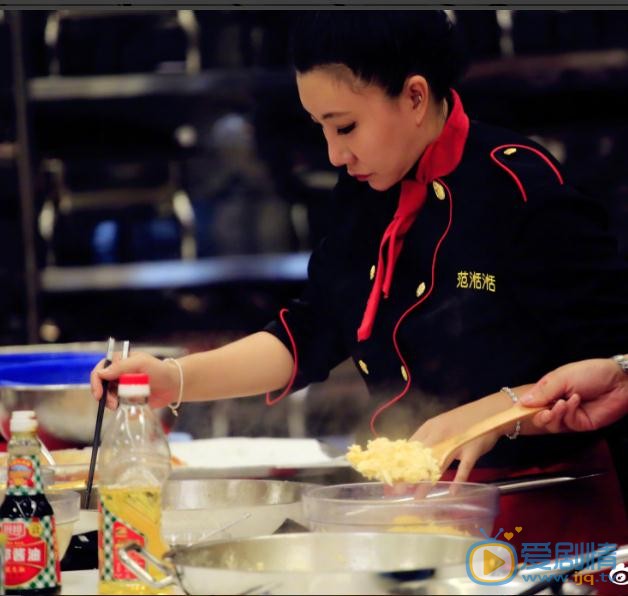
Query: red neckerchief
{"type": "Point", "coordinates": [439, 159]}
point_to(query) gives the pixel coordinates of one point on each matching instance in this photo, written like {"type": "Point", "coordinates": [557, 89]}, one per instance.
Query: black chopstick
{"type": "Point", "coordinates": [99, 418]}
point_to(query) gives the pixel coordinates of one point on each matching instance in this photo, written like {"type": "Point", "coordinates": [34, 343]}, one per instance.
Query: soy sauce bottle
{"type": "Point", "coordinates": [31, 563]}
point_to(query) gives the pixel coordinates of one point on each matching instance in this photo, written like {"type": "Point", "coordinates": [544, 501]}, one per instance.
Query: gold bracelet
{"type": "Point", "coordinates": [174, 407]}
{"type": "Point", "coordinates": [512, 395]}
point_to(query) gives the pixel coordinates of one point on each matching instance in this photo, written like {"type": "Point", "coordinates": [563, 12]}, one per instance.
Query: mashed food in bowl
{"type": "Point", "coordinates": [415, 523]}
{"type": "Point", "coordinates": [394, 461]}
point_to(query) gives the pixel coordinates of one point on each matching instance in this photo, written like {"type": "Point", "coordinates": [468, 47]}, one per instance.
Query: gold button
{"type": "Point", "coordinates": [421, 289]}
{"type": "Point", "coordinates": [404, 374]}
{"type": "Point", "coordinates": [510, 150]}
{"type": "Point", "coordinates": [362, 365]}
{"type": "Point", "coordinates": [372, 272]}
{"type": "Point", "coordinates": [439, 191]}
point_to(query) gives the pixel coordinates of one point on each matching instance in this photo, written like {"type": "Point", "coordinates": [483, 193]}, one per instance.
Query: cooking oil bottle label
{"type": "Point", "coordinates": [31, 558]}
{"type": "Point", "coordinates": [128, 515]}
{"type": "Point", "coordinates": [24, 477]}
{"type": "Point", "coordinates": [114, 535]}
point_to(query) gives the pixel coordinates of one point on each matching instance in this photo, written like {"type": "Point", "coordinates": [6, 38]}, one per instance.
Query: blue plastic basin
{"type": "Point", "coordinates": [26, 357]}
{"type": "Point", "coordinates": [71, 370]}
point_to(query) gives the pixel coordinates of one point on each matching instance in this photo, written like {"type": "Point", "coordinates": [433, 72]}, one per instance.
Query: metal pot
{"type": "Point", "coordinates": [197, 509]}
{"type": "Point", "coordinates": [194, 509]}
{"type": "Point", "coordinates": [316, 563]}
{"type": "Point", "coordinates": [328, 563]}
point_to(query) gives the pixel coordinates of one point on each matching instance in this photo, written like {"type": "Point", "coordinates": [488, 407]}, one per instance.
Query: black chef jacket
{"type": "Point", "coordinates": [511, 272]}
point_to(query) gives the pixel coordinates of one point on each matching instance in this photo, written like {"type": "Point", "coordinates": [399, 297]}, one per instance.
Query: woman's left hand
{"type": "Point", "coordinates": [454, 421]}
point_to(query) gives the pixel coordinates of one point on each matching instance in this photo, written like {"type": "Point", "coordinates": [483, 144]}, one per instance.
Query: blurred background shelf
{"type": "Point", "coordinates": [160, 181]}
{"type": "Point", "coordinates": [176, 274]}
{"type": "Point", "coordinates": [229, 86]}
{"type": "Point", "coordinates": [533, 74]}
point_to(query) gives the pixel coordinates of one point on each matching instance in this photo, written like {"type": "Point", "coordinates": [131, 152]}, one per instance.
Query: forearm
{"type": "Point", "coordinates": [250, 366]}
{"type": "Point", "coordinates": [463, 417]}
{"type": "Point", "coordinates": [500, 401]}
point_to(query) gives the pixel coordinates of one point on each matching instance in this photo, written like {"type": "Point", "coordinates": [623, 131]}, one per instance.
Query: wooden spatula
{"type": "Point", "coordinates": [443, 451]}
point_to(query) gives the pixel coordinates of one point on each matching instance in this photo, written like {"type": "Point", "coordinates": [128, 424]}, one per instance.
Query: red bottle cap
{"type": "Point", "coordinates": [133, 379]}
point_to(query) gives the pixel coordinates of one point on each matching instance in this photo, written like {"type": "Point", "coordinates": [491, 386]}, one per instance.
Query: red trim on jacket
{"type": "Point", "coordinates": [397, 397]}
{"type": "Point", "coordinates": [440, 158]}
{"type": "Point", "coordinates": [514, 176]}
{"type": "Point", "coordinates": [272, 401]}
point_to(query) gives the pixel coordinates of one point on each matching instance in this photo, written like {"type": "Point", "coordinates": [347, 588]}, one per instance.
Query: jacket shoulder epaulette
{"type": "Point", "coordinates": [528, 165]}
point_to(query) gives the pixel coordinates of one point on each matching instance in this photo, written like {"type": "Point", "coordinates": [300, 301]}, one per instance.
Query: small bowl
{"type": "Point", "coordinates": [461, 508]}
{"type": "Point", "coordinates": [66, 505]}
{"type": "Point", "coordinates": [72, 476]}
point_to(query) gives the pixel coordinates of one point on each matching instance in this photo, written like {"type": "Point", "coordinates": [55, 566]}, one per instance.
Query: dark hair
{"type": "Point", "coordinates": [382, 47]}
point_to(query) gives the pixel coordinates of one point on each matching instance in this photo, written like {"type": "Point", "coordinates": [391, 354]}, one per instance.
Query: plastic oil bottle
{"type": "Point", "coordinates": [133, 464]}
{"type": "Point", "coordinates": [31, 561]}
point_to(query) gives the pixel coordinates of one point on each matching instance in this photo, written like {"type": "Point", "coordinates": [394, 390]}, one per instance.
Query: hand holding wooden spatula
{"type": "Point", "coordinates": [443, 451]}
{"type": "Point", "coordinates": [403, 461]}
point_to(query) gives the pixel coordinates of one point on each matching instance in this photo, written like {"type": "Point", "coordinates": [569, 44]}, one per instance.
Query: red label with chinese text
{"type": "Point", "coordinates": [26, 552]}
{"type": "Point", "coordinates": [122, 535]}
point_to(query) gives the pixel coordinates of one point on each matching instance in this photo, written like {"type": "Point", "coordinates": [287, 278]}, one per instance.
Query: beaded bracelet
{"type": "Point", "coordinates": [175, 407]}
{"type": "Point", "coordinates": [510, 393]}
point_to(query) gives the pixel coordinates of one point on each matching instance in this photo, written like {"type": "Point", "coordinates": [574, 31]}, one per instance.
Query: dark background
{"type": "Point", "coordinates": [162, 142]}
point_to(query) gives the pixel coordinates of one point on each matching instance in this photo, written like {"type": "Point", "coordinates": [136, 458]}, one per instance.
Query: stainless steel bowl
{"type": "Point", "coordinates": [66, 411]}
{"type": "Point", "coordinates": [350, 563]}
{"type": "Point", "coordinates": [89, 346]}
{"type": "Point", "coordinates": [317, 563]}
{"type": "Point", "coordinates": [196, 509]}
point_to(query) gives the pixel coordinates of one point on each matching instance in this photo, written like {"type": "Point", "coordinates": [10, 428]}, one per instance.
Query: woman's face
{"type": "Point", "coordinates": [376, 137]}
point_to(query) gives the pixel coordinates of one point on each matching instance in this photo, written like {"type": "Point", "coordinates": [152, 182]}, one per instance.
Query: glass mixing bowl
{"type": "Point", "coordinates": [461, 508]}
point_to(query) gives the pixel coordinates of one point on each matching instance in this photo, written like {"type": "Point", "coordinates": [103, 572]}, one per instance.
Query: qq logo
{"type": "Point", "coordinates": [491, 561]}
{"type": "Point", "coordinates": [619, 575]}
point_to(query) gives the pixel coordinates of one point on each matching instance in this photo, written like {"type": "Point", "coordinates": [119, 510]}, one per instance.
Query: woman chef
{"type": "Point", "coordinates": [458, 260]}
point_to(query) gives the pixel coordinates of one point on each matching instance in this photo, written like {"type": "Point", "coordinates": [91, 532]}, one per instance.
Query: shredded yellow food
{"type": "Point", "coordinates": [394, 461]}
{"type": "Point", "coordinates": [414, 523]}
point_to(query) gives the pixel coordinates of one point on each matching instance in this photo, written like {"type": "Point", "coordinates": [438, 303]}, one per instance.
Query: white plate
{"type": "Point", "coordinates": [246, 452]}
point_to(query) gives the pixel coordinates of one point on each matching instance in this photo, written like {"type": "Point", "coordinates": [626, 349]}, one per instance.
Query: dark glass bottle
{"type": "Point", "coordinates": [32, 563]}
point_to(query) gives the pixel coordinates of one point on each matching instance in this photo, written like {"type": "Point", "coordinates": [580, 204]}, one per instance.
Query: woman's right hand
{"type": "Point", "coordinates": [163, 377]}
{"type": "Point", "coordinates": [591, 394]}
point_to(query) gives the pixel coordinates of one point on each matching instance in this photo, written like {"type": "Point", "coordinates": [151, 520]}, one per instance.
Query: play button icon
{"type": "Point", "coordinates": [491, 562]}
